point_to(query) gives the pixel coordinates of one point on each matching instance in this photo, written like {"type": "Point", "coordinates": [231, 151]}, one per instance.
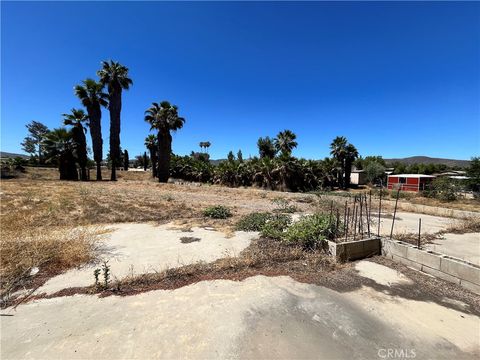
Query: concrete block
{"type": "Point", "coordinates": [461, 270]}
{"type": "Point", "coordinates": [371, 247]}
{"type": "Point", "coordinates": [424, 258]}
{"type": "Point", "coordinates": [353, 248]}
{"type": "Point", "coordinates": [470, 286]}
{"type": "Point", "coordinates": [407, 262]}
{"type": "Point", "coordinates": [394, 247]}
{"type": "Point", "coordinates": [440, 274]}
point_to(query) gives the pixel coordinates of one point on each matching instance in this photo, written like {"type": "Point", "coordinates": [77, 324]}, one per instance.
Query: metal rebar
{"type": "Point", "coordinates": [379, 211]}
{"type": "Point", "coordinates": [419, 232]}
{"type": "Point", "coordinates": [355, 222]}
{"type": "Point", "coordinates": [346, 229]}
{"type": "Point", "coordinates": [394, 212]}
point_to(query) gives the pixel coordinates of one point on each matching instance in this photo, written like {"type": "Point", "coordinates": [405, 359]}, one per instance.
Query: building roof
{"type": "Point", "coordinates": [412, 175]}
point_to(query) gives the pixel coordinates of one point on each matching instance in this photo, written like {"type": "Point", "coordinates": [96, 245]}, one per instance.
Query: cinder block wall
{"type": "Point", "coordinates": [441, 266]}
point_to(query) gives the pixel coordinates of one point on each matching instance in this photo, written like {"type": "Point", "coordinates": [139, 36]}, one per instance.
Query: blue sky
{"type": "Point", "coordinates": [397, 79]}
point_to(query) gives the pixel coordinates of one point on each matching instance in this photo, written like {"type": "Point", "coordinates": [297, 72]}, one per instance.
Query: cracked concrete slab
{"type": "Point", "coordinates": [140, 248]}
{"type": "Point", "coordinates": [260, 317]}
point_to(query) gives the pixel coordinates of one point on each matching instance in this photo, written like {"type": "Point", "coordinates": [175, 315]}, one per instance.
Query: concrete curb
{"type": "Point", "coordinates": [444, 267]}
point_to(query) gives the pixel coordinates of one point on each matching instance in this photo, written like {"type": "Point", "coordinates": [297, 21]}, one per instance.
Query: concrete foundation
{"type": "Point", "coordinates": [444, 267]}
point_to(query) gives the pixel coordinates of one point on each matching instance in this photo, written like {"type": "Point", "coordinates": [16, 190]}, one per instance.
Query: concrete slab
{"type": "Point", "coordinates": [462, 246]}
{"type": "Point", "coordinates": [141, 248]}
{"type": "Point", "coordinates": [259, 317]}
{"type": "Point", "coordinates": [381, 274]}
{"type": "Point", "coordinates": [408, 223]}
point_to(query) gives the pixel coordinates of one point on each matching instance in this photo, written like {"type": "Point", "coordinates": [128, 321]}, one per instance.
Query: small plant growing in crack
{"type": "Point", "coordinates": [106, 273]}
{"type": "Point", "coordinates": [96, 275]}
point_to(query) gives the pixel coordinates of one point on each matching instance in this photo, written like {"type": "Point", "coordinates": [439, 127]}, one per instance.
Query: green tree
{"type": "Point", "coordinates": [145, 161]}
{"type": "Point", "coordinates": [266, 148]}
{"type": "Point", "coordinates": [338, 149]}
{"type": "Point", "coordinates": [351, 153]}
{"type": "Point", "coordinates": [32, 144]}
{"type": "Point", "coordinates": [76, 119]}
{"type": "Point", "coordinates": [93, 98]}
{"type": "Point", "coordinates": [285, 143]}
{"type": "Point", "coordinates": [230, 156]}
{"type": "Point", "coordinates": [374, 171]}
{"type": "Point", "coordinates": [240, 156]}
{"type": "Point", "coordinates": [59, 149]}
{"type": "Point", "coordinates": [115, 76]}
{"type": "Point", "coordinates": [164, 118]}
{"type": "Point", "coordinates": [473, 172]}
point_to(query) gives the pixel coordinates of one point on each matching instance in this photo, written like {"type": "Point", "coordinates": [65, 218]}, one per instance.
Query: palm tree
{"type": "Point", "coordinates": [115, 76]}
{"type": "Point", "coordinates": [338, 151]}
{"type": "Point", "coordinates": [285, 142]}
{"type": "Point", "coordinates": [164, 118]}
{"type": "Point", "coordinates": [76, 119]}
{"type": "Point", "coordinates": [93, 98]}
{"type": "Point", "coordinates": [351, 153]}
{"type": "Point", "coordinates": [58, 146]}
{"type": "Point", "coordinates": [266, 148]}
{"type": "Point", "coordinates": [151, 144]}
{"type": "Point", "coordinates": [206, 145]}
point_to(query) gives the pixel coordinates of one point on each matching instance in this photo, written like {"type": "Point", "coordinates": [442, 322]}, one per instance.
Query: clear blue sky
{"type": "Point", "coordinates": [397, 79]}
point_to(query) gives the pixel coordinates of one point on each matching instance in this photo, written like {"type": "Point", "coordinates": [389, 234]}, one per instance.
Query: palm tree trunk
{"type": "Point", "coordinates": [95, 116]}
{"type": "Point", "coordinates": [153, 159]}
{"type": "Point", "coordinates": [115, 107]}
{"type": "Point", "coordinates": [164, 151]}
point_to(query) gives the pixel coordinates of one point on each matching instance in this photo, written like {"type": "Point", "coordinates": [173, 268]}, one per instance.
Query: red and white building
{"type": "Point", "coordinates": [409, 182]}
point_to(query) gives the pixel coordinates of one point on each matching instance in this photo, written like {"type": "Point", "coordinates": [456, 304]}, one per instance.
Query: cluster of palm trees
{"type": "Point", "coordinates": [163, 118]}
{"type": "Point", "coordinates": [275, 168]}
{"type": "Point", "coordinates": [204, 145]}
{"type": "Point", "coordinates": [69, 147]}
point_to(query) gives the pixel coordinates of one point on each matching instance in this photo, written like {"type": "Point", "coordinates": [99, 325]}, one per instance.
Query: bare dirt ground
{"type": "Point", "coordinates": [358, 310]}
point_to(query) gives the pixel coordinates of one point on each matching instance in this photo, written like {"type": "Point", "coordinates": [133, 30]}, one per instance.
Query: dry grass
{"type": "Point", "coordinates": [28, 247]}
{"type": "Point", "coordinates": [464, 226]}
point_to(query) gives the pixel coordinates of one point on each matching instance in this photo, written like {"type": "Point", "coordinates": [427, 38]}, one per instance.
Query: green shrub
{"type": "Point", "coordinates": [275, 227]}
{"type": "Point", "coordinates": [253, 222]}
{"type": "Point", "coordinates": [283, 206]}
{"type": "Point", "coordinates": [217, 212]}
{"type": "Point", "coordinates": [311, 230]}
{"type": "Point", "coordinates": [443, 189]}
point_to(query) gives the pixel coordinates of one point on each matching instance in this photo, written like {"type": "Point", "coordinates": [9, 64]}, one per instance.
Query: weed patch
{"type": "Point", "coordinates": [217, 212]}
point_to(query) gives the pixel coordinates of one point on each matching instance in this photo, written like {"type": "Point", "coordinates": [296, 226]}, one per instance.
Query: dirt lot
{"type": "Point", "coordinates": [356, 310]}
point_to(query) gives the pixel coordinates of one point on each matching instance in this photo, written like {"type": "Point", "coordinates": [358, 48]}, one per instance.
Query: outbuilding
{"type": "Point", "coordinates": [409, 182]}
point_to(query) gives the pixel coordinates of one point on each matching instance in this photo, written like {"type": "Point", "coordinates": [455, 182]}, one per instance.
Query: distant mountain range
{"type": "Point", "coordinates": [429, 160]}
{"type": "Point", "coordinates": [6, 155]}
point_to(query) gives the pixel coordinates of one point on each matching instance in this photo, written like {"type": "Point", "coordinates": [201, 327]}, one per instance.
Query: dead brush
{"type": "Point", "coordinates": [467, 225]}
{"type": "Point", "coordinates": [25, 246]}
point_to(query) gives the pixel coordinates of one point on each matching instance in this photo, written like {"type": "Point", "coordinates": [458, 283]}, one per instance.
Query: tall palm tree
{"type": "Point", "coordinates": [338, 151]}
{"type": "Point", "coordinates": [93, 98]}
{"type": "Point", "coordinates": [76, 119]}
{"type": "Point", "coordinates": [58, 147]}
{"type": "Point", "coordinates": [115, 76]}
{"type": "Point", "coordinates": [285, 142]}
{"type": "Point", "coordinates": [351, 153]}
{"type": "Point", "coordinates": [151, 144]}
{"type": "Point", "coordinates": [266, 148]}
{"type": "Point", "coordinates": [164, 118]}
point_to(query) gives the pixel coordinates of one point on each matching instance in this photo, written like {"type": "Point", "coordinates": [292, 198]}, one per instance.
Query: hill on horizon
{"type": "Point", "coordinates": [7, 155]}
{"type": "Point", "coordinates": [429, 160]}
